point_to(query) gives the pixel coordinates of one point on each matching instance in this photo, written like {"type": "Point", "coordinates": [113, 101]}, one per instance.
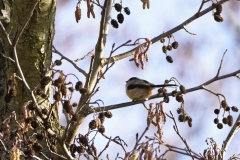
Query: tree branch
{"type": "Point", "coordinates": [121, 105]}
{"type": "Point", "coordinates": [70, 61]}
{"type": "Point", "coordinates": [154, 40]}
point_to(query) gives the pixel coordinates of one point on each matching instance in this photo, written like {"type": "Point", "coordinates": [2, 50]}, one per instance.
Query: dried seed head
{"type": "Point", "coordinates": [174, 93]}
{"type": "Point", "coordinates": [216, 111]}
{"type": "Point", "coordinates": [45, 81]}
{"type": "Point", "coordinates": [71, 89]}
{"type": "Point", "coordinates": [179, 110]}
{"type": "Point", "coordinates": [169, 59]}
{"type": "Point", "coordinates": [93, 124]}
{"type": "Point", "coordinates": [83, 91]}
{"type": "Point", "coordinates": [101, 129]}
{"type": "Point", "coordinates": [120, 18]}
{"type": "Point", "coordinates": [80, 149]}
{"type": "Point", "coordinates": [57, 96]}
{"type": "Point", "coordinates": [118, 7]}
{"type": "Point", "coordinates": [74, 118]}
{"type": "Point", "coordinates": [181, 118]}
{"type": "Point", "coordinates": [64, 90]}
{"type": "Point", "coordinates": [68, 107]}
{"type": "Point", "coordinates": [219, 125]}
{"type": "Point", "coordinates": [101, 116]}
{"type": "Point", "coordinates": [218, 8]}
{"type": "Point", "coordinates": [216, 121]}
{"type": "Point", "coordinates": [175, 44]}
{"type": "Point", "coordinates": [162, 40]}
{"type": "Point", "coordinates": [114, 23]}
{"type": "Point", "coordinates": [164, 49]}
{"type": "Point", "coordinates": [83, 140]}
{"type": "Point", "coordinates": [234, 109]}
{"type": "Point", "coordinates": [126, 10]}
{"type": "Point", "coordinates": [78, 85]}
{"type": "Point", "coordinates": [217, 17]}
{"type": "Point", "coordinates": [73, 148]}
{"type": "Point", "coordinates": [169, 36]}
{"type": "Point", "coordinates": [169, 47]}
{"type": "Point", "coordinates": [230, 120]}
{"type": "Point", "coordinates": [74, 104]}
{"type": "Point", "coordinates": [179, 98]}
{"type": "Point", "coordinates": [58, 62]}
{"type": "Point", "coordinates": [225, 120]}
{"type": "Point", "coordinates": [108, 114]}
{"type": "Point", "coordinates": [224, 104]}
{"type": "Point", "coordinates": [182, 89]}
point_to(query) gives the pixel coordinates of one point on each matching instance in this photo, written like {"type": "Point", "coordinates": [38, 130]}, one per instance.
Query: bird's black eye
{"type": "Point", "coordinates": [131, 86]}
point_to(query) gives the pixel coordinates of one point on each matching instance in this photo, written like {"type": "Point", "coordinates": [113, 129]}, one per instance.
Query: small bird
{"type": "Point", "coordinates": [139, 89]}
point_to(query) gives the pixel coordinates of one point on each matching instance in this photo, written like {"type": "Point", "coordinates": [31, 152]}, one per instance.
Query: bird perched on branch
{"type": "Point", "coordinates": [139, 89]}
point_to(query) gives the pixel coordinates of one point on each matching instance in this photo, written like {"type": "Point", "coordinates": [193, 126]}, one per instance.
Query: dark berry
{"type": "Point", "coordinates": [126, 10]}
{"type": "Point", "coordinates": [164, 49]}
{"type": "Point", "coordinates": [108, 114]}
{"type": "Point", "coordinates": [78, 85]}
{"type": "Point", "coordinates": [179, 98]}
{"type": "Point", "coordinates": [219, 125]}
{"type": "Point", "coordinates": [114, 23]}
{"type": "Point", "coordinates": [58, 62]}
{"type": "Point", "coordinates": [162, 40]}
{"type": "Point", "coordinates": [182, 89]}
{"type": "Point", "coordinates": [216, 121]}
{"type": "Point", "coordinates": [175, 44]}
{"type": "Point", "coordinates": [169, 59]}
{"type": "Point", "coordinates": [101, 129]}
{"type": "Point", "coordinates": [118, 7]}
{"type": "Point", "coordinates": [120, 18]}
{"type": "Point", "coordinates": [216, 111]}
{"type": "Point", "coordinates": [169, 47]}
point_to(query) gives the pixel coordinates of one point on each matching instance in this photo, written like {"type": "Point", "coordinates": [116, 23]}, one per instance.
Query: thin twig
{"type": "Point", "coordinates": [221, 64]}
{"type": "Point", "coordinates": [7, 57]}
{"type": "Point", "coordinates": [156, 39]}
{"type": "Point", "coordinates": [188, 31]}
{"type": "Point", "coordinates": [126, 104]}
{"type": "Point", "coordinates": [70, 61]}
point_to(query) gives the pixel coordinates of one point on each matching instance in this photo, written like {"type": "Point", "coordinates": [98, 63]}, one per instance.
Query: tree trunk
{"type": "Point", "coordinates": [34, 51]}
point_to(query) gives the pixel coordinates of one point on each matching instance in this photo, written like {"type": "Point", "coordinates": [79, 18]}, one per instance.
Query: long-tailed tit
{"type": "Point", "coordinates": [139, 89]}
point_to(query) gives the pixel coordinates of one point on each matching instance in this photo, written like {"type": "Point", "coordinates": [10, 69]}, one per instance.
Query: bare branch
{"type": "Point", "coordinates": [188, 31]}
{"type": "Point", "coordinates": [126, 104]}
{"type": "Point", "coordinates": [70, 61]}
{"type": "Point", "coordinates": [156, 39]}
{"type": "Point", "coordinates": [221, 64]}
{"type": "Point", "coordinates": [230, 135]}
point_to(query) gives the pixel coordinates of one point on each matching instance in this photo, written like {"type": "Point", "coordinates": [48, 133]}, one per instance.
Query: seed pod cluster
{"type": "Point", "coordinates": [120, 17]}
{"type": "Point", "coordinates": [169, 47]}
{"type": "Point", "coordinates": [99, 122]}
{"type": "Point", "coordinates": [216, 15]}
{"type": "Point", "coordinates": [228, 120]}
{"type": "Point", "coordinates": [183, 117]}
